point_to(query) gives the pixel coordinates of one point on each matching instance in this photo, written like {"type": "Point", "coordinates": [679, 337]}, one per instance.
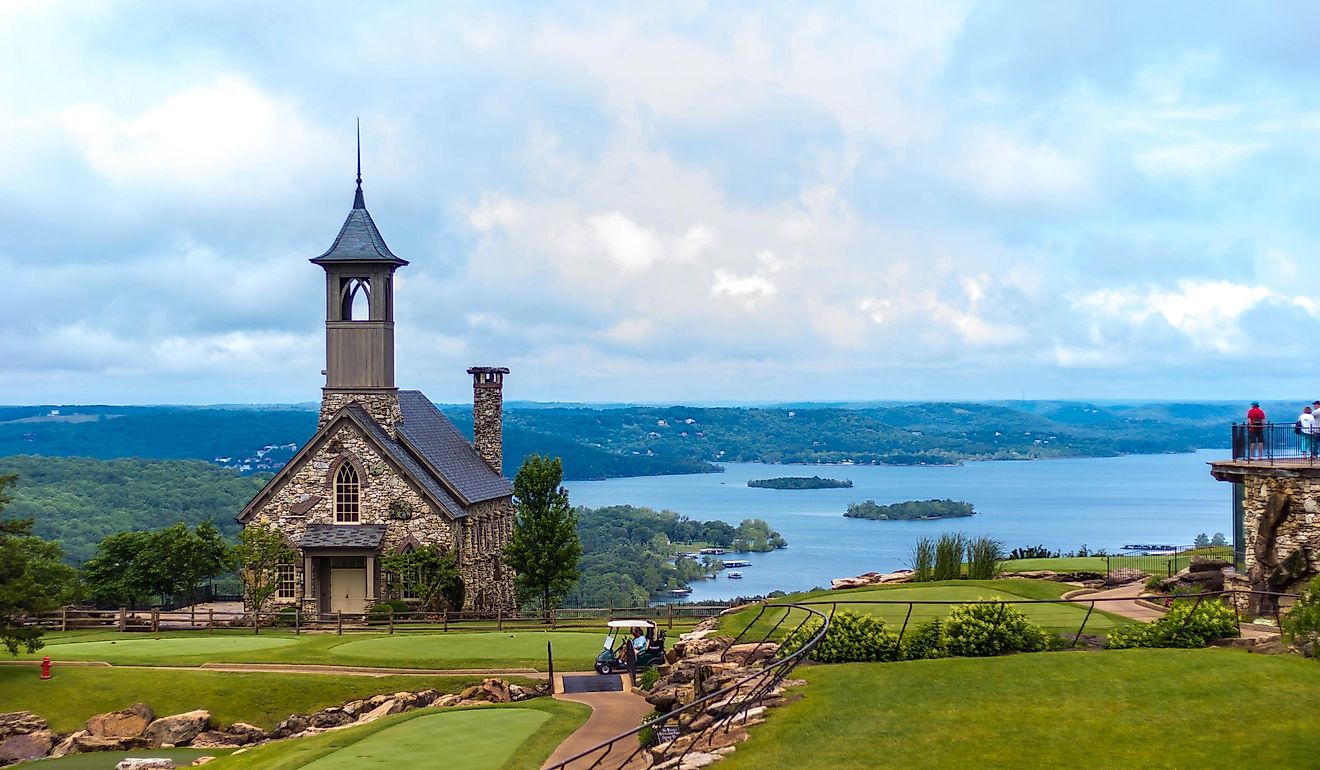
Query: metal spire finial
{"type": "Point", "coordinates": [358, 202]}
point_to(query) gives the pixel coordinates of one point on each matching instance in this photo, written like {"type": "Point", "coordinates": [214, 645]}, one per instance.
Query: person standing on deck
{"type": "Point", "coordinates": [1306, 426]}
{"type": "Point", "coordinates": [1256, 432]}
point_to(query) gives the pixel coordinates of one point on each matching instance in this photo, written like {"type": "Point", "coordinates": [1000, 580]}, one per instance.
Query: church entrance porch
{"type": "Point", "coordinates": [341, 567]}
{"type": "Point", "coordinates": [347, 587]}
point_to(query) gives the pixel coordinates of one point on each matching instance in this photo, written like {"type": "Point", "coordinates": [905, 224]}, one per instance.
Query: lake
{"type": "Point", "coordinates": [1062, 504]}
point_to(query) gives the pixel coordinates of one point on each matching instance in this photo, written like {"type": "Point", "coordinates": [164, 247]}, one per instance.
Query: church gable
{"type": "Point", "coordinates": [345, 476]}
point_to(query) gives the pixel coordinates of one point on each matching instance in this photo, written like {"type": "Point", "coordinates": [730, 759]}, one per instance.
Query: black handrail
{"type": "Point", "coordinates": [1270, 442]}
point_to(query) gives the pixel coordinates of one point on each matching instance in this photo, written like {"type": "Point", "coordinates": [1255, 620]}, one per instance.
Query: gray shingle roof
{"type": "Point", "coordinates": [343, 536]}
{"type": "Point", "coordinates": [402, 457]}
{"type": "Point", "coordinates": [429, 433]}
{"type": "Point", "coordinates": [359, 240]}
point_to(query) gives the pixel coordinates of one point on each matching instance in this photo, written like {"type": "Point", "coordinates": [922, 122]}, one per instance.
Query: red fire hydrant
{"type": "Point", "coordinates": [45, 667]}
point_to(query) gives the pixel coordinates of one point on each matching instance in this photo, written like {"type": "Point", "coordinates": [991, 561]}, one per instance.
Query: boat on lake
{"type": "Point", "coordinates": [736, 563]}
{"type": "Point", "coordinates": [680, 591]}
{"type": "Point", "coordinates": [713, 551]}
{"type": "Point", "coordinates": [735, 576]}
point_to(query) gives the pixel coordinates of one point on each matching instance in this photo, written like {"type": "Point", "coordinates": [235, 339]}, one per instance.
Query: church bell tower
{"type": "Point", "coordinates": [359, 317]}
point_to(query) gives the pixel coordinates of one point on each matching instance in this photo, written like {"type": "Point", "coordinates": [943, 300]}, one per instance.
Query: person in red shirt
{"type": "Point", "coordinates": [1255, 432]}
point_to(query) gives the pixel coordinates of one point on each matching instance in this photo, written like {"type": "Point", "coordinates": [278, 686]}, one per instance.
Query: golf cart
{"type": "Point", "coordinates": [613, 657]}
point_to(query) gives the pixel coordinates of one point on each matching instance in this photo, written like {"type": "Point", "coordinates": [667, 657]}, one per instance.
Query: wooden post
{"type": "Point", "coordinates": [64, 619]}
{"type": "Point", "coordinates": [671, 616]}
{"type": "Point", "coordinates": [155, 620]}
{"type": "Point", "coordinates": [444, 618]}
{"type": "Point", "coordinates": [210, 620]}
{"type": "Point", "coordinates": [550, 657]}
{"type": "Point", "coordinates": [339, 620]}
{"type": "Point", "coordinates": [297, 619]}
{"type": "Point", "coordinates": [123, 618]}
{"type": "Point", "coordinates": [391, 621]}
{"type": "Point", "coordinates": [499, 618]}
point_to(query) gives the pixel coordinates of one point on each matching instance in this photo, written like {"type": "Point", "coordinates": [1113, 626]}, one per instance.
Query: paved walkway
{"type": "Point", "coordinates": [611, 713]}
{"type": "Point", "coordinates": [1131, 608]}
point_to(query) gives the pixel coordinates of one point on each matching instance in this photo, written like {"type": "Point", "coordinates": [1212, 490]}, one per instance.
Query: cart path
{"type": "Point", "coordinates": [612, 713]}
{"type": "Point", "coordinates": [1128, 609]}
{"type": "Point", "coordinates": [296, 668]}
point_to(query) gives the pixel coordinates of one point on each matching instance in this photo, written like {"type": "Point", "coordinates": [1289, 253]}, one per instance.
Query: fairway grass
{"type": "Point", "coordinates": [509, 737]}
{"type": "Point", "coordinates": [1113, 709]}
{"type": "Point", "coordinates": [574, 650]}
{"type": "Point", "coordinates": [263, 699]}
{"type": "Point", "coordinates": [1059, 618]}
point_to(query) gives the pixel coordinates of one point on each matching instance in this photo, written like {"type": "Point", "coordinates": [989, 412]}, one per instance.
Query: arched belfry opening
{"type": "Point", "coordinates": [355, 299]}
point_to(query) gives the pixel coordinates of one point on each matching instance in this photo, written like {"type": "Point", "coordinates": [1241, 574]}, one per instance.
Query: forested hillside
{"type": "Point", "coordinates": [644, 441]}
{"type": "Point", "coordinates": [78, 501]}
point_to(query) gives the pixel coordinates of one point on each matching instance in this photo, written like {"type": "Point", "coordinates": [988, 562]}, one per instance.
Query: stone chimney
{"type": "Point", "coordinates": [488, 414]}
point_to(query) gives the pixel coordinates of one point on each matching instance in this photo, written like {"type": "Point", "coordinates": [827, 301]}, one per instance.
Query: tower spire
{"type": "Point", "coordinates": [358, 202]}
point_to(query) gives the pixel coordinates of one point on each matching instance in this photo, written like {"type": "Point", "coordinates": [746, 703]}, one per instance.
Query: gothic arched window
{"type": "Point", "coordinates": [346, 494]}
{"type": "Point", "coordinates": [355, 299]}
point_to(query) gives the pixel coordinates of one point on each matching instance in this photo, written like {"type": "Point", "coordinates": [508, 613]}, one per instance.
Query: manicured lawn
{"type": "Point", "coordinates": [74, 694]}
{"type": "Point", "coordinates": [485, 738]}
{"type": "Point", "coordinates": [1061, 618]}
{"type": "Point", "coordinates": [105, 760]}
{"type": "Point", "coordinates": [574, 650]}
{"type": "Point", "coordinates": [1114, 709]}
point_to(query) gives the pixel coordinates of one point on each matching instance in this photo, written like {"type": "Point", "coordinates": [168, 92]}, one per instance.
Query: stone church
{"type": "Point", "coordinates": [386, 471]}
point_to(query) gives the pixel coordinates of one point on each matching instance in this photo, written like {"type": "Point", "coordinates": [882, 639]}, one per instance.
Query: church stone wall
{"type": "Point", "coordinates": [383, 406]}
{"type": "Point", "coordinates": [488, 580]}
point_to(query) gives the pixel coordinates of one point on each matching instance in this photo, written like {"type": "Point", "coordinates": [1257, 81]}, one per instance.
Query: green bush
{"type": "Point", "coordinates": [926, 641]}
{"type": "Point", "coordinates": [1187, 624]}
{"type": "Point", "coordinates": [983, 557]}
{"type": "Point", "coordinates": [923, 560]}
{"type": "Point", "coordinates": [286, 617]}
{"type": "Point", "coordinates": [852, 638]}
{"type": "Point", "coordinates": [647, 735]}
{"type": "Point", "coordinates": [1302, 623]}
{"type": "Point", "coordinates": [380, 613]}
{"type": "Point", "coordinates": [949, 556]}
{"type": "Point", "coordinates": [981, 630]}
{"type": "Point", "coordinates": [647, 679]}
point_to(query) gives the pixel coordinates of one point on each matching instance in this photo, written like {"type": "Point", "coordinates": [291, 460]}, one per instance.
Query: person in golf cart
{"type": "Point", "coordinates": [647, 644]}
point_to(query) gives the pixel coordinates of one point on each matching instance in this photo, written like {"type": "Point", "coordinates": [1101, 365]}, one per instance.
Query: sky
{"type": "Point", "coordinates": [676, 202]}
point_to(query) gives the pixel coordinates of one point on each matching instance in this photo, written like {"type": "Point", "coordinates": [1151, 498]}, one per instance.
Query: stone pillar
{"type": "Point", "coordinates": [381, 405]}
{"type": "Point", "coordinates": [488, 414]}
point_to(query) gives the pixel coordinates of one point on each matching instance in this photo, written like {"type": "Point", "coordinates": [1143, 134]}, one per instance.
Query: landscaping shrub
{"type": "Point", "coordinates": [983, 557]}
{"type": "Point", "coordinates": [1186, 624]}
{"type": "Point", "coordinates": [1302, 623]}
{"type": "Point", "coordinates": [852, 638]}
{"type": "Point", "coordinates": [949, 555]}
{"type": "Point", "coordinates": [647, 679]}
{"type": "Point", "coordinates": [286, 617]}
{"type": "Point", "coordinates": [926, 641]}
{"type": "Point", "coordinates": [981, 630]}
{"type": "Point", "coordinates": [923, 560]}
{"type": "Point", "coordinates": [647, 735]}
{"type": "Point", "coordinates": [380, 613]}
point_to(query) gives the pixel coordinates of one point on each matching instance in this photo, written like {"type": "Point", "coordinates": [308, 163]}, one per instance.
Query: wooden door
{"type": "Point", "coordinates": [348, 590]}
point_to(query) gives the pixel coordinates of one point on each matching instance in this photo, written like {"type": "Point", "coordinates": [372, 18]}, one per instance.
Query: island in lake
{"type": "Point", "coordinates": [912, 509]}
{"type": "Point", "coordinates": [800, 482]}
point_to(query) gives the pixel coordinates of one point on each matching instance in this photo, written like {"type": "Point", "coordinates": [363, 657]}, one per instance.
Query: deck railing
{"type": "Point", "coordinates": [1273, 442]}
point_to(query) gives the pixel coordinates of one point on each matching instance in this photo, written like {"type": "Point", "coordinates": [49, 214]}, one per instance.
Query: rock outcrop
{"type": "Point", "coordinates": [177, 730]}
{"type": "Point", "coordinates": [124, 723]}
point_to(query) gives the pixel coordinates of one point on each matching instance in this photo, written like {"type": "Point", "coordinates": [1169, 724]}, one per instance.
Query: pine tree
{"type": "Point", "coordinates": [544, 550]}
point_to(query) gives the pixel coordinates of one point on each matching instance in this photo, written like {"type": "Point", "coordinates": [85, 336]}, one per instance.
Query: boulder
{"type": "Point", "coordinates": [219, 739]}
{"type": "Point", "coordinates": [1124, 575]}
{"type": "Point", "coordinates": [20, 723]}
{"type": "Point", "coordinates": [125, 723]}
{"type": "Point", "coordinates": [331, 717]}
{"type": "Point", "coordinates": [33, 745]}
{"type": "Point", "coordinates": [494, 691]}
{"type": "Point", "coordinates": [145, 763]}
{"type": "Point", "coordinates": [291, 726]}
{"type": "Point", "coordinates": [178, 729]}
{"type": "Point", "coordinates": [1207, 564]}
{"type": "Point", "coordinates": [426, 698]}
{"type": "Point", "coordinates": [391, 706]}
{"type": "Point", "coordinates": [202, 760]}
{"type": "Point", "coordinates": [747, 654]}
{"type": "Point", "coordinates": [445, 701]}
{"type": "Point", "coordinates": [252, 733]}
{"type": "Point", "coordinates": [84, 742]}
{"type": "Point", "coordinates": [65, 747]}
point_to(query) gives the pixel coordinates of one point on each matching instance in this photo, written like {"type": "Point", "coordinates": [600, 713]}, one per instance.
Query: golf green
{"type": "Point", "coordinates": [474, 740]}
{"type": "Point", "coordinates": [163, 648]}
{"type": "Point", "coordinates": [526, 645]}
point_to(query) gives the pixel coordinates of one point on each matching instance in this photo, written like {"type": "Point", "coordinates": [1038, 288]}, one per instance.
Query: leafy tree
{"type": "Point", "coordinates": [430, 573]}
{"type": "Point", "coordinates": [124, 570]}
{"type": "Point", "coordinates": [1219, 539]}
{"type": "Point", "coordinates": [193, 557]}
{"type": "Point", "coordinates": [261, 550]}
{"type": "Point", "coordinates": [544, 550]}
{"type": "Point", "coordinates": [718, 533]}
{"type": "Point", "coordinates": [33, 578]}
{"type": "Point", "coordinates": [1202, 540]}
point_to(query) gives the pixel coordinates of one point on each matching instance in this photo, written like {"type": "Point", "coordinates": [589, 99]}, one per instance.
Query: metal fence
{"type": "Point", "coordinates": [1276, 442]}
{"type": "Point", "coordinates": [684, 730]}
{"type": "Point", "coordinates": [1167, 562]}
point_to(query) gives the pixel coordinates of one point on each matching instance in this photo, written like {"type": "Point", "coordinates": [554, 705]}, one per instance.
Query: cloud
{"type": "Point", "coordinates": [1197, 159]}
